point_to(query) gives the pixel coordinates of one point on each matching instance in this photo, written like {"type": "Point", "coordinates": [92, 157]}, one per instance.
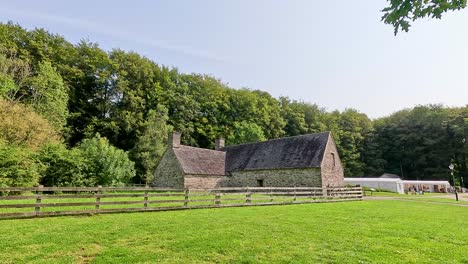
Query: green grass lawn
{"type": "Point", "coordinates": [348, 232]}
{"type": "Point", "coordinates": [449, 199]}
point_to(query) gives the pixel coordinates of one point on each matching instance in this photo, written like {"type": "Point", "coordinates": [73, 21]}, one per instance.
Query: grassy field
{"type": "Point", "coordinates": [438, 200]}
{"type": "Point", "coordinates": [349, 232]}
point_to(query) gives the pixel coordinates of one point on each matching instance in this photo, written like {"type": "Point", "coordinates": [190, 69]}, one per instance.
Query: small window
{"type": "Point", "coordinates": [259, 183]}
{"type": "Point", "coordinates": [333, 158]}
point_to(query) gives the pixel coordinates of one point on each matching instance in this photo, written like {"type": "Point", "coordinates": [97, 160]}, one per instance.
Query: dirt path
{"type": "Point", "coordinates": [373, 198]}
{"type": "Point", "coordinates": [461, 196]}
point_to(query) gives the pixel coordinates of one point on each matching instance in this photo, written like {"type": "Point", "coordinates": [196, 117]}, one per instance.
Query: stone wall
{"type": "Point", "coordinates": [332, 168]}
{"type": "Point", "coordinates": [309, 177]}
{"type": "Point", "coordinates": [203, 181]}
{"type": "Point", "coordinates": [169, 173]}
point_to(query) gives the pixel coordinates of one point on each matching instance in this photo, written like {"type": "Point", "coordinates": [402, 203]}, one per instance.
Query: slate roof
{"type": "Point", "coordinates": [201, 161]}
{"type": "Point", "coordinates": [304, 151]}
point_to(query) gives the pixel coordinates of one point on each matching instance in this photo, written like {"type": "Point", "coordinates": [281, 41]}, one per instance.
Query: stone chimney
{"type": "Point", "coordinates": [219, 143]}
{"type": "Point", "coordinates": [173, 140]}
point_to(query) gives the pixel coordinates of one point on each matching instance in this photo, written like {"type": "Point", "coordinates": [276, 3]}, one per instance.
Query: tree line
{"type": "Point", "coordinates": [74, 114]}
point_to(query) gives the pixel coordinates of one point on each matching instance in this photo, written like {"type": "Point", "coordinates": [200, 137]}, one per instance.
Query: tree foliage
{"type": "Point", "coordinates": [48, 95]}
{"type": "Point", "coordinates": [420, 143]}
{"type": "Point", "coordinates": [107, 165]}
{"type": "Point", "coordinates": [352, 129]}
{"type": "Point", "coordinates": [52, 89]}
{"type": "Point", "coordinates": [245, 132]}
{"type": "Point", "coordinates": [14, 73]}
{"type": "Point", "coordinates": [21, 126]}
{"type": "Point", "coordinates": [151, 144]}
{"type": "Point", "coordinates": [18, 166]}
{"type": "Point", "coordinates": [401, 13]}
{"type": "Point", "coordinates": [64, 167]}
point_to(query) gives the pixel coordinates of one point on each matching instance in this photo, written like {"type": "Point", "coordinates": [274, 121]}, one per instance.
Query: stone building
{"type": "Point", "coordinates": [309, 160]}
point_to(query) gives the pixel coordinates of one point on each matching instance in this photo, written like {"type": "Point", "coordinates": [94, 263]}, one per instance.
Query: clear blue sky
{"type": "Point", "coordinates": [334, 53]}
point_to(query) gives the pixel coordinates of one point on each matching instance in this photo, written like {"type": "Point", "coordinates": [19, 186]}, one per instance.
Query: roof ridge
{"type": "Point", "coordinates": [276, 139]}
{"type": "Point", "coordinates": [198, 148]}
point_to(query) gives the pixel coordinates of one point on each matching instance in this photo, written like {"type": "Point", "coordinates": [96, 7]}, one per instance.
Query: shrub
{"type": "Point", "coordinates": [107, 165]}
{"type": "Point", "coordinates": [20, 126]}
{"type": "Point", "coordinates": [18, 167]}
{"type": "Point", "coordinates": [64, 167]}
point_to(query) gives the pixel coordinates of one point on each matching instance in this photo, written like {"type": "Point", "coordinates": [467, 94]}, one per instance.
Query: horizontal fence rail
{"type": "Point", "coordinates": [27, 202]}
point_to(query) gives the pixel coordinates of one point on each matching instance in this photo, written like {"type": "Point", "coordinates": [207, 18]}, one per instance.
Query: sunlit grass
{"type": "Point", "coordinates": [351, 232]}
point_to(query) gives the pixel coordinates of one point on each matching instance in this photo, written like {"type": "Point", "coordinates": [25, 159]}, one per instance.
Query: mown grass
{"type": "Point", "coordinates": [437, 199]}
{"type": "Point", "coordinates": [349, 232]}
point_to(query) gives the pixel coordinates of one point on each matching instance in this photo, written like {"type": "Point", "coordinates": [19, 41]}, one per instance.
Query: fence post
{"type": "Point", "coordinates": [146, 197]}
{"type": "Point", "coordinates": [217, 198]}
{"type": "Point", "coordinates": [247, 196]}
{"type": "Point", "coordinates": [271, 195]}
{"type": "Point", "coordinates": [37, 209]}
{"type": "Point", "coordinates": [98, 197]}
{"type": "Point", "coordinates": [186, 197]}
{"type": "Point", "coordinates": [294, 194]}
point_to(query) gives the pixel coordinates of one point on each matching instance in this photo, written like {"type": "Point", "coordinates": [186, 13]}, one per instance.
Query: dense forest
{"type": "Point", "coordinates": [74, 115]}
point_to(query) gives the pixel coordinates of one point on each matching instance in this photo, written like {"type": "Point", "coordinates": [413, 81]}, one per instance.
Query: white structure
{"type": "Point", "coordinates": [399, 186]}
{"type": "Point", "coordinates": [392, 185]}
{"type": "Point", "coordinates": [427, 186]}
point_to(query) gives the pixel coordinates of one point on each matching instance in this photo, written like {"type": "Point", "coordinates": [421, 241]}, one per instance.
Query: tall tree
{"type": "Point", "coordinates": [349, 129]}
{"type": "Point", "coordinates": [151, 145]}
{"type": "Point", "coordinates": [48, 95]}
{"type": "Point", "coordinates": [14, 74]}
{"type": "Point", "coordinates": [137, 83]}
{"type": "Point", "coordinates": [294, 117]}
{"type": "Point", "coordinates": [301, 118]}
{"type": "Point", "coordinates": [245, 132]}
{"type": "Point", "coordinates": [416, 143]}
{"type": "Point", "coordinates": [92, 94]}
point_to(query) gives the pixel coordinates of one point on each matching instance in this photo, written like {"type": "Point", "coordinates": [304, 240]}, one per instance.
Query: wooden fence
{"type": "Point", "coordinates": [18, 202]}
